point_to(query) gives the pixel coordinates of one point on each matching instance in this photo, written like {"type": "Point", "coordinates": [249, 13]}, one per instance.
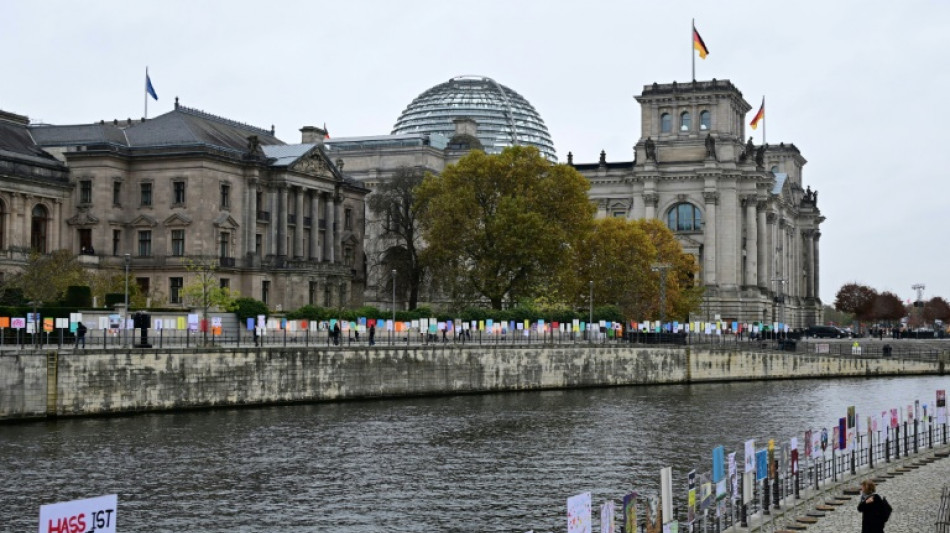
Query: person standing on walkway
{"type": "Point", "coordinates": [81, 335]}
{"type": "Point", "coordinates": [874, 510]}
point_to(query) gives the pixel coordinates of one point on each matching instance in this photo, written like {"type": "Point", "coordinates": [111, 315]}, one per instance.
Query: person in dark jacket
{"type": "Point", "coordinates": [872, 508]}
{"type": "Point", "coordinates": [81, 335]}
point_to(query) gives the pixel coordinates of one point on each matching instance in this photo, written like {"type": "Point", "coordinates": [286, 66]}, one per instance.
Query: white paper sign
{"type": "Point", "coordinates": [92, 514]}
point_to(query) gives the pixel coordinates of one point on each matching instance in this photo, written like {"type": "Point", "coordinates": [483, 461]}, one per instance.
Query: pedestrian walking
{"type": "Point", "coordinates": [873, 508]}
{"type": "Point", "coordinates": [372, 334]}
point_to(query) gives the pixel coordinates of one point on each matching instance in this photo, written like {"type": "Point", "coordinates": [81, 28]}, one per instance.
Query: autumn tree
{"type": "Point", "coordinates": [499, 226]}
{"type": "Point", "coordinates": [856, 299]}
{"type": "Point", "coordinates": [936, 309]}
{"type": "Point", "coordinates": [619, 258]}
{"type": "Point", "coordinates": [887, 306]}
{"type": "Point", "coordinates": [46, 277]}
{"type": "Point", "coordinates": [103, 282]}
{"type": "Point", "coordinates": [397, 215]}
{"type": "Point", "coordinates": [203, 291]}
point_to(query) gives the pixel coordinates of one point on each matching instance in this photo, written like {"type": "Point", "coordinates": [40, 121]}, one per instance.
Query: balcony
{"type": "Point", "coordinates": [227, 262]}
{"type": "Point", "coordinates": [263, 216]}
{"type": "Point", "coordinates": [307, 221]}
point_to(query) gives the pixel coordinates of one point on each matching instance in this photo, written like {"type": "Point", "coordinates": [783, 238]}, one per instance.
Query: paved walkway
{"type": "Point", "coordinates": [914, 494]}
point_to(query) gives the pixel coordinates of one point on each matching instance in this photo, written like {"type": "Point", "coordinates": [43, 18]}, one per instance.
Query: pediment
{"type": "Point", "coordinates": [144, 221]}
{"type": "Point", "coordinates": [177, 220]}
{"type": "Point", "coordinates": [312, 162]}
{"type": "Point", "coordinates": [225, 221]}
{"type": "Point", "coordinates": [350, 238]}
{"type": "Point", "coordinates": [83, 219]}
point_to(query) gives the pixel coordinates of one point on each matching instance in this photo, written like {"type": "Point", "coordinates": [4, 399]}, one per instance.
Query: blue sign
{"type": "Point", "coordinates": [719, 462]}
{"type": "Point", "coordinates": [761, 464]}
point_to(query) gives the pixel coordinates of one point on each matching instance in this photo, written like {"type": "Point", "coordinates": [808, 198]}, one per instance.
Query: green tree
{"type": "Point", "coordinates": [46, 277]}
{"type": "Point", "coordinates": [499, 226]}
{"type": "Point", "coordinates": [113, 282]}
{"type": "Point", "coordinates": [203, 291]}
{"type": "Point", "coordinates": [617, 259]}
{"type": "Point", "coordinates": [246, 307]}
{"type": "Point", "coordinates": [683, 295]}
{"type": "Point", "coordinates": [393, 204]}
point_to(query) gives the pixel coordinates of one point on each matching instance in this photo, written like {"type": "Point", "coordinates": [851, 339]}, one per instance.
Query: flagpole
{"type": "Point", "coordinates": [764, 119]}
{"type": "Point", "coordinates": [146, 92]}
{"type": "Point", "coordinates": [692, 52]}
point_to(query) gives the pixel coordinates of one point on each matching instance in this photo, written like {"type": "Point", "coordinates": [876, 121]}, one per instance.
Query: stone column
{"type": "Point", "coordinates": [815, 264]}
{"type": "Point", "coordinates": [314, 225]}
{"type": "Point", "coordinates": [298, 227]}
{"type": "Point", "coordinates": [773, 244]}
{"type": "Point", "coordinates": [650, 200]}
{"type": "Point", "coordinates": [762, 234]}
{"type": "Point", "coordinates": [282, 221]}
{"type": "Point", "coordinates": [328, 228]}
{"type": "Point", "coordinates": [751, 242]}
{"type": "Point", "coordinates": [709, 238]}
{"type": "Point", "coordinates": [250, 218]}
{"type": "Point", "coordinates": [56, 221]}
{"type": "Point", "coordinates": [336, 251]}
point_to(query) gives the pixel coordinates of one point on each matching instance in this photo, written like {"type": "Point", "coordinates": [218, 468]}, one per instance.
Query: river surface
{"type": "Point", "coordinates": [496, 462]}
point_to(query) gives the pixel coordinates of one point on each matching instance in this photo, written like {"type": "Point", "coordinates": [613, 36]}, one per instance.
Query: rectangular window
{"type": "Point", "coordinates": [225, 196]}
{"type": "Point", "coordinates": [147, 194]}
{"type": "Point", "coordinates": [116, 193]}
{"type": "Point", "coordinates": [225, 244]}
{"type": "Point", "coordinates": [85, 192]}
{"type": "Point", "coordinates": [178, 242]}
{"type": "Point", "coordinates": [85, 241]}
{"type": "Point", "coordinates": [312, 299]}
{"type": "Point", "coordinates": [347, 218]}
{"type": "Point", "coordinates": [175, 285]}
{"type": "Point", "coordinates": [179, 193]}
{"type": "Point", "coordinates": [620, 214]}
{"type": "Point", "coordinates": [116, 240]}
{"type": "Point", "coordinates": [258, 244]}
{"type": "Point", "coordinates": [225, 283]}
{"type": "Point", "coordinates": [145, 243]}
{"type": "Point", "coordinates": [143, 284]}
{"type": "Point", "coordinates": [265, 290]}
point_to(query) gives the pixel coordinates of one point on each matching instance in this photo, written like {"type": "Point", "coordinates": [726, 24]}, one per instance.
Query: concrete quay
{"type": "Point", "coordinates": [912, 486]}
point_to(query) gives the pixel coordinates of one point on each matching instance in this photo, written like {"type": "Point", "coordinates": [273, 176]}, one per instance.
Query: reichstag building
{"type": "Point", "coordinates": [288, 223]}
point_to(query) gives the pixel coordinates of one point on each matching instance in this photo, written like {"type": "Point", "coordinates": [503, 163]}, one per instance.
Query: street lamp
{"type": "Point", "coordinates": [662, 268]}
{"type": "Point", "coordinates": [394, 299]}
{"type": "Point", "coordinates": [780, 299]}
{"type": "Point", "coordinates": [125, 312]}
{"type": "Point", "coordinates": [590, 320]}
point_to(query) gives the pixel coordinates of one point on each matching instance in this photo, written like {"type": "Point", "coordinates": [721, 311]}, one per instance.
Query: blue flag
{"type": "Point", "coordinates": [148, 87]}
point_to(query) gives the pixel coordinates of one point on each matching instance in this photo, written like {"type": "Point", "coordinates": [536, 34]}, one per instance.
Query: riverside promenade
{"type": "Point", "coordinates": [912, 486]}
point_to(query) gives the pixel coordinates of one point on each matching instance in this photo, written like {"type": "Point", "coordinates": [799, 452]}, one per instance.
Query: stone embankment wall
{"type": "Point", "coordinates": [76, 384]}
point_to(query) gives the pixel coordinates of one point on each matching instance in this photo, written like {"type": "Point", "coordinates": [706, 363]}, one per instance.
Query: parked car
{"type": "Point", "coordinates": [825, 332]}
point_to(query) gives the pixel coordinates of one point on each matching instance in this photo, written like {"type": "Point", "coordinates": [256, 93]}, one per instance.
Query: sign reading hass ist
{"type": "Point", "coordinates": [80, 516]}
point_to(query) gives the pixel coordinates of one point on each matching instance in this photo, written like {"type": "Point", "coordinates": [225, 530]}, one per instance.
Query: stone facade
{"type": "Point", "coordinates": [740, 209]}
{"type": "Point", "coordinates": [281, 221]}
{"type": "Point", "coordinates": [34, 195]}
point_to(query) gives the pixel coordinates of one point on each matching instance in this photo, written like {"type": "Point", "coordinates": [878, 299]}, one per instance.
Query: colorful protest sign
{"type": "Point", "coordinates": [578, 513]}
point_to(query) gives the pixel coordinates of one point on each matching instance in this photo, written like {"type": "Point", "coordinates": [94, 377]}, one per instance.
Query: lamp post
{"type": "Point", "coordinates": [125, 312]}
{"type": "Point", "coordinates": [780, 299]}
{"type": "Point", "coordinates": [919, 306]}
{"type": "Point", "coordinates": [662, 268]}
{"type": "Point", "coordinates": [393, 333]}
{"type": "Point", "coordinates": [590, 320]}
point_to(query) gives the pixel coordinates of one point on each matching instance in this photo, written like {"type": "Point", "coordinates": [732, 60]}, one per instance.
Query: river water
{"type": "Point", "coordinates": [496, 462]}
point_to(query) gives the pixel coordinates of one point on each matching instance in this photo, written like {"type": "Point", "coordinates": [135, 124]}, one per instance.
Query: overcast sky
{"type": "Point", "coordinates": [857, 86]}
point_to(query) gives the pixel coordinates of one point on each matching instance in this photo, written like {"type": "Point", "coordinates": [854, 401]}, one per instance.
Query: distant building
{"type": "Point", "coordinates": [739, 208]}
{"type": "Point", "coordinates": [281, 221]}
{"type": "Point", "coordinates": [35, 193]}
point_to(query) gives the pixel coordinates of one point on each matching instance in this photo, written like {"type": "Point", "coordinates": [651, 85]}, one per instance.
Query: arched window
{"type": "Point", "coordinates": [685, 121]}
{"type": "Point", "coordinates": [705, 120]}
{"type": "Point", "coordinates": [774, 169]}
{"type": "Point", "coordinates": [38, 226]}
{"type": "Point", "coordinates": [666, 123]}
{"type": "Point", "coordinates": [684, 217]}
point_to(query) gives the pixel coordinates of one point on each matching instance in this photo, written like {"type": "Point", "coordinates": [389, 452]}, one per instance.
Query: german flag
{"type": "Point", "coordinates": [758, 116]}
{"type": "Point", "coordinates": [699, 45]}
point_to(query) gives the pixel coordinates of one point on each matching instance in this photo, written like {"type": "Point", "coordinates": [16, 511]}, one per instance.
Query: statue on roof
{"type": "Point", "coordinates": [650, 147]}
{"type": "Point", "coordinates": [710, 146]}
{"type": "Point", "coordinates": [749, 148]}
{"type": "Point", "coordinates": [760, 155]}
{"type": "Point", "coordinates": [254, 146]}
{"type": "Point", "coordinates": [603, 157]}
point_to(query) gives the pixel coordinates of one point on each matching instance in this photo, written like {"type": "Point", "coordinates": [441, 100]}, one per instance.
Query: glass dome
{"type": "Point", "coordinates": [504, 117]}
